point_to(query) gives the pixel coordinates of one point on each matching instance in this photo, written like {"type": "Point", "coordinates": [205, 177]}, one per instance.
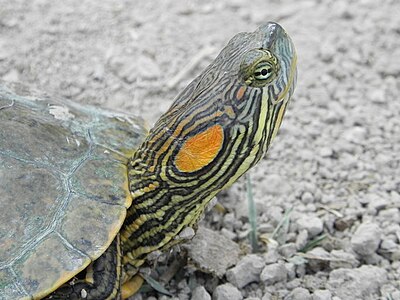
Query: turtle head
{"type": "Point", "coordinates": [227, 117]}
{"type": "Point", "coordinates": [216, 129]}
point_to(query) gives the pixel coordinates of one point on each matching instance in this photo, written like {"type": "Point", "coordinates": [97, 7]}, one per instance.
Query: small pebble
{"type": "Point", "coordinates": [226, 292]}
{"type": "Point", "coordinates": [389, 245]}
{"type": "Point", "coordinates": [272, 256]}
{"type": "Point", "coordinates": [322, 295]}
{"type": "Point", "coordinates": [247, 270]}
{"type": "Point", "coordinates": [395, 295]}
{"type": "Point", "coordinates": [291, 270]}
{"type": "Point", "coordinates": [301, 239]}
{"type": "Point", "coordinates": [312, 224]}
{"type": "Point", "coordinates": [186, 233]}
{"type": "Point", "coordinates": [356, 134]}
{"type": "Point", "coordinates": [288, 250]}
{"type": "Point", "coordinates": [267, 296]}
{"type": "Point", "coordinates": [326, 152]}
{"type": "Point", "coordinates": [12, 76]}
{"type": "Point", "coordinates": [343, 260]}
{"type": "Point", "coordinates": [229, 234]}
{"type": "Point", "coordinates": [319, 261]}
{"type": "Point", "coordinates": [229, 221]}
{"type": "Point", "coordinates": [299, 293]}
{"type": "Point", "coordinates": [290, 285]}
{"type": "Point", "coordinates": [200, 293]}
{"type": "Point", "coordinates": [386, 67]}
{"type": "Point", "coordinates": [301, 270]}
{"type": "Point", "coordinates": [276, 185]}
{"type": "Point", "coordinates": [327, 52]}
{"type": "Point", "coordinates": [390, 214]}
{"type": "Point", "coordinates": [366, 239]}
{"type": "Point", "coordinates": [307, 197]}
{"type": "Point", "coordinates": [212, 252]}
{"type": "Point", "coordinates": [342, 224]}
{"type": "Point", "coordinates": [378, 203]}
{"type": "Point", "coordinates": [165, 297]}
{"type": "Point", "coordinates": [377, 95]}
{"type": "Point", "coordinates": [273, 273]}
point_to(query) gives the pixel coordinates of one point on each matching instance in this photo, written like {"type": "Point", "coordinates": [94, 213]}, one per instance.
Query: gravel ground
{"type": "Point", "coordinates": [333, 169]}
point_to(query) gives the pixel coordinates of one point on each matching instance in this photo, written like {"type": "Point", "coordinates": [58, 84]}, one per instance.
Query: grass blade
{"type": "Point", "coordinates": [252, 215]}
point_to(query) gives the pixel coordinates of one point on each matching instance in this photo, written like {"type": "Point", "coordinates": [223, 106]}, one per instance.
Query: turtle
{"type": "Point", "coordinates": [88, 190]}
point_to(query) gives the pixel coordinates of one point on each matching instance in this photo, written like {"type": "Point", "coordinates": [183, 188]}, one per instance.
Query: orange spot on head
{"type": "Point", "coordinates": [240, 92]}
{"type": "Point", "coordinates": [199, 150]}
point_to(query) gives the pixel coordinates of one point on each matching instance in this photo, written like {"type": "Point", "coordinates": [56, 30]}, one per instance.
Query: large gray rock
{"type": "Point", "coordinates": [357, 283]}
{"type": "Point", "coordinates": [247, 270]}
{"type": "Point", "coordinates": [366, 239]}
{"type": "Point", "coordinates": [227, 292]}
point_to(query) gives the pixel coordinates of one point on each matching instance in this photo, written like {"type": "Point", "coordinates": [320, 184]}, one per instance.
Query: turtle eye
{"type": "Point", "coordinates": [259, 67]}
{"type": "Point", "coordinates": [263, 71]}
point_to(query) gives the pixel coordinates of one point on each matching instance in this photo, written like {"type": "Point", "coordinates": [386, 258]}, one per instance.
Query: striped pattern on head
{"type": "Point", "coordinates": [217, 128]}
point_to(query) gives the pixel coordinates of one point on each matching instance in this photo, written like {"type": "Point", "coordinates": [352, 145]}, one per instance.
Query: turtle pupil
{"type": "Point", "coordinates": [264, 72]}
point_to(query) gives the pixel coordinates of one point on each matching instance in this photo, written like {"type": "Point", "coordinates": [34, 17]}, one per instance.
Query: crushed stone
{"type": "Point", "coordinates": [335, 162]}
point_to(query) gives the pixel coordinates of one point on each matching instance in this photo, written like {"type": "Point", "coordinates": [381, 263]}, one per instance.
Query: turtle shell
{"type": "Point", "coordinates": [63, 188]}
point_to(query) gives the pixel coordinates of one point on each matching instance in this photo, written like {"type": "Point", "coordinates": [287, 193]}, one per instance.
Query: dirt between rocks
{"type": "Point", "coordinates": [335, 162]}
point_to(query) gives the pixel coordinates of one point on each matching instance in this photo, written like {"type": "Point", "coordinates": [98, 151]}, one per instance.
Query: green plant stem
{"type": "Point", "coordinates": [252, 215]}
